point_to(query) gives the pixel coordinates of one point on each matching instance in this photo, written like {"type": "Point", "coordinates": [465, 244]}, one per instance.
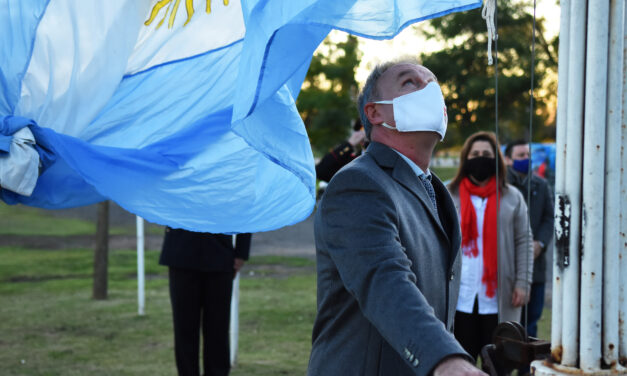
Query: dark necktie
{"type": "Point", "coordinates": [426, 181]}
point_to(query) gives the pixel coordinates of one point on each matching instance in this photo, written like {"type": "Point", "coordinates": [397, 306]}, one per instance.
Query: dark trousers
{"type": "Point", "coordinates": [533, 309]}
{"type": "Point", "coordinates": [473, 331]}
{"type": "Point", "coordinates": [201, 300]}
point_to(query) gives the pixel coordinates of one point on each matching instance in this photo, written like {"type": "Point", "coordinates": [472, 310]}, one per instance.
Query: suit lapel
{"type": "Point", "coordinates": [448, 214]}
{"type": "Point", "coordinates": [403, 173]}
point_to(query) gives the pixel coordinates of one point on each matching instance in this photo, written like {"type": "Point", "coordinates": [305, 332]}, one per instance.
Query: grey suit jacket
{"type": "Point", "coordinates": [388, 269]}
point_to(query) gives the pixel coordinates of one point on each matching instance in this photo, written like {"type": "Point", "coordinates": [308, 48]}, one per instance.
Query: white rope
{"type": "Point", "coordinates": [487, 13]}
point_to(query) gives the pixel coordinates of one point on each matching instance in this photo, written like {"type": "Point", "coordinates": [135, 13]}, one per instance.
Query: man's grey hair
{"type": "Point", "coordinates": [370, 91]}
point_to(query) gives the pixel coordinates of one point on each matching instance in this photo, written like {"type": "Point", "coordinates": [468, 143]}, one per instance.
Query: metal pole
{"type": "Point", "coordinates": [570, 329]}
{"type": "Point", "coordinates": [560, 182]}
{"type": "Point", "coordinates": [141, 300]}
{"type": "Point", "coordinates": [595, 123]}
{"type": "Point", "coordinates": [622, 329]}
{"type": "Point", "coordinates": [600, 299]}
{"type": "Point", "coordinates": [611, 277]}
{"type": "Point", "coordinates": [234, 332]}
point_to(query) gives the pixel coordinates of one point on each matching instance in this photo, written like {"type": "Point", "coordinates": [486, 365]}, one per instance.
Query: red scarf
{"type": "Point", "coordinates": [470, 232]}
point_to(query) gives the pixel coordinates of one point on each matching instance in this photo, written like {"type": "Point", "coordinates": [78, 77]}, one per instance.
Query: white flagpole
{"type": "Point", "coordinates": [140, 265]}
{"type": "Point", "coordinates": [560, 179]}
{"type": "Point", "coordinates": [593, 288]}
{"type": "Point", "coordinates": [611, 267]}
{"type": "Point", "coordinates": [594, 171]}
{"type": "Point", "coordinates": [234, 322]}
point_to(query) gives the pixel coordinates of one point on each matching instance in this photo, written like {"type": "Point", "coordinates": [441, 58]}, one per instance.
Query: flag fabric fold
{"type": "Point", "coordinates": [19, 163]}
{"type": "Point", "coordinates": [186, 118]}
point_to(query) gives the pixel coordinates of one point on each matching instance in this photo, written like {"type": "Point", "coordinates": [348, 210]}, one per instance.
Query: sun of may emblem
{"type": "Point", "coordinates": [189, 6]}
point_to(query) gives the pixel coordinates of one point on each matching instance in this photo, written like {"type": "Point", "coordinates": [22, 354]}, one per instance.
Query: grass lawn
{"type": "Point", "coordinates": [51, 326]}
{"type": "Point", "coordinates": [445, 173]}
{"type": "Point", "coordinates": [25, 220]}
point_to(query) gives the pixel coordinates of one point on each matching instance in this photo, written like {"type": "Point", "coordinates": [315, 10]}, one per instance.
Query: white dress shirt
{"type": "Point", "coordinates": [417, 170]}
{"type": "Point", "coordinates": [472, 272]}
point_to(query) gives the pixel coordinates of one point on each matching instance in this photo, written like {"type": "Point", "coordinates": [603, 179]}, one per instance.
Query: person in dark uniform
{"type": "Point", "coordinates": [201, 271]}
{"type": "Point", "coordinates": [342, 154]}
{"type": "Point", "coordinates": [517, 158]}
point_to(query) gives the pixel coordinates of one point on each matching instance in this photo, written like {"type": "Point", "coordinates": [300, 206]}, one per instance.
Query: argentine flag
{"type": "Point", "coordinates": [181, 111]}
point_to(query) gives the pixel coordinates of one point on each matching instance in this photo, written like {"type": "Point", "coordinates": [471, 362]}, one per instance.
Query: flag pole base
{"type": "Point", "coordinates": [545, 368]}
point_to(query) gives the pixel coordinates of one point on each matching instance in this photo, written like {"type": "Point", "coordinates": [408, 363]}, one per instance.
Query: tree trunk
{"type": "Point", "coordinates": [101, 253]}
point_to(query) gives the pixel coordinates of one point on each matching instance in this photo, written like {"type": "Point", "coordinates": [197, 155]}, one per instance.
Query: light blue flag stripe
{"type": "Point", "coordinates": [278, 51]}
{"type": "Point", "coordinates": [18, 23]}
{"type": "Point", "coordinates": [211, 142]}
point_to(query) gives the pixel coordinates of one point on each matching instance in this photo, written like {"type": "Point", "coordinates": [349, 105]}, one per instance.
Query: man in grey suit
{"type": "Point", "coordinates": [387, 242]}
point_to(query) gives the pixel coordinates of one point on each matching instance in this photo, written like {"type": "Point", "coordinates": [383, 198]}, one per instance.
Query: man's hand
{"type": "Point", "coordinates": [237, 265]}
{"type": "Point", "coordinates": [457, 366]}
{"type": "Point", "coordinates": [537, 248]}
{"type": "Point", "coordinates": [357, 137]}
{"type": "Point", "coordinates": [519, 297]}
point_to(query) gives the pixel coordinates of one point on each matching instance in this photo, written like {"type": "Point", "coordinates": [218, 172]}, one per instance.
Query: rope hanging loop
{"type": "Point", "coordinates": [487, 13]}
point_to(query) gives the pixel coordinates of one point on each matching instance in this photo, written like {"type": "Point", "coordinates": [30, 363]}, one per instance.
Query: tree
{"type": "Point", "coordinates": [101, 253]}
{"type": "Point", "coordinates": [327, 99]}
{"type": "Point", "coordinates": [468, 81]}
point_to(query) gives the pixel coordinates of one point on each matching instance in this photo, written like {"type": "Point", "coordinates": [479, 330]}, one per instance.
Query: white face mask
{"type": "Point", "coordinates": [422, 110]}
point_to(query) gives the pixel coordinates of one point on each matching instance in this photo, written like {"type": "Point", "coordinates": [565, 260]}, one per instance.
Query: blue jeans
{"type": "Point", "coordinates": [533, 309]}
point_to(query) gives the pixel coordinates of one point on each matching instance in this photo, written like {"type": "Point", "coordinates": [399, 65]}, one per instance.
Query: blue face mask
{"type": "Point", "coordinates": [521, 165]}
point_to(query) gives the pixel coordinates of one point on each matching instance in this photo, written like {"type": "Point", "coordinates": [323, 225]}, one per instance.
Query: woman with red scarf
{"type": "Point", "coordinates": [497, 251]}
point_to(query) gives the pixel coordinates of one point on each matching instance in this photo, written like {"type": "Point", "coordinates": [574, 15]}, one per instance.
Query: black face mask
{"type": "Point", "coordinates": [480, 168]}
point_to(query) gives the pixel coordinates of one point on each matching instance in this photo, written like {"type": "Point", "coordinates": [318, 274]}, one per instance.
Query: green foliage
{"type": "Point", "coordinates": [468, 81]}
{"type": "Point", "coordinates": [327, 100]}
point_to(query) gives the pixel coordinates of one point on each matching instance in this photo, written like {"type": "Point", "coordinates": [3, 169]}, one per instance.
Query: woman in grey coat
{"type": "Point", "coordinates": [497, 246]}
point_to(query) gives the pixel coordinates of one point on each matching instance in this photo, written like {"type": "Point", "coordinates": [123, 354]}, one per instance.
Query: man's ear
{"type": "Point", "coordinates": [508, 160]}
{"type": "Point", "coordinates": [374, 116]}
